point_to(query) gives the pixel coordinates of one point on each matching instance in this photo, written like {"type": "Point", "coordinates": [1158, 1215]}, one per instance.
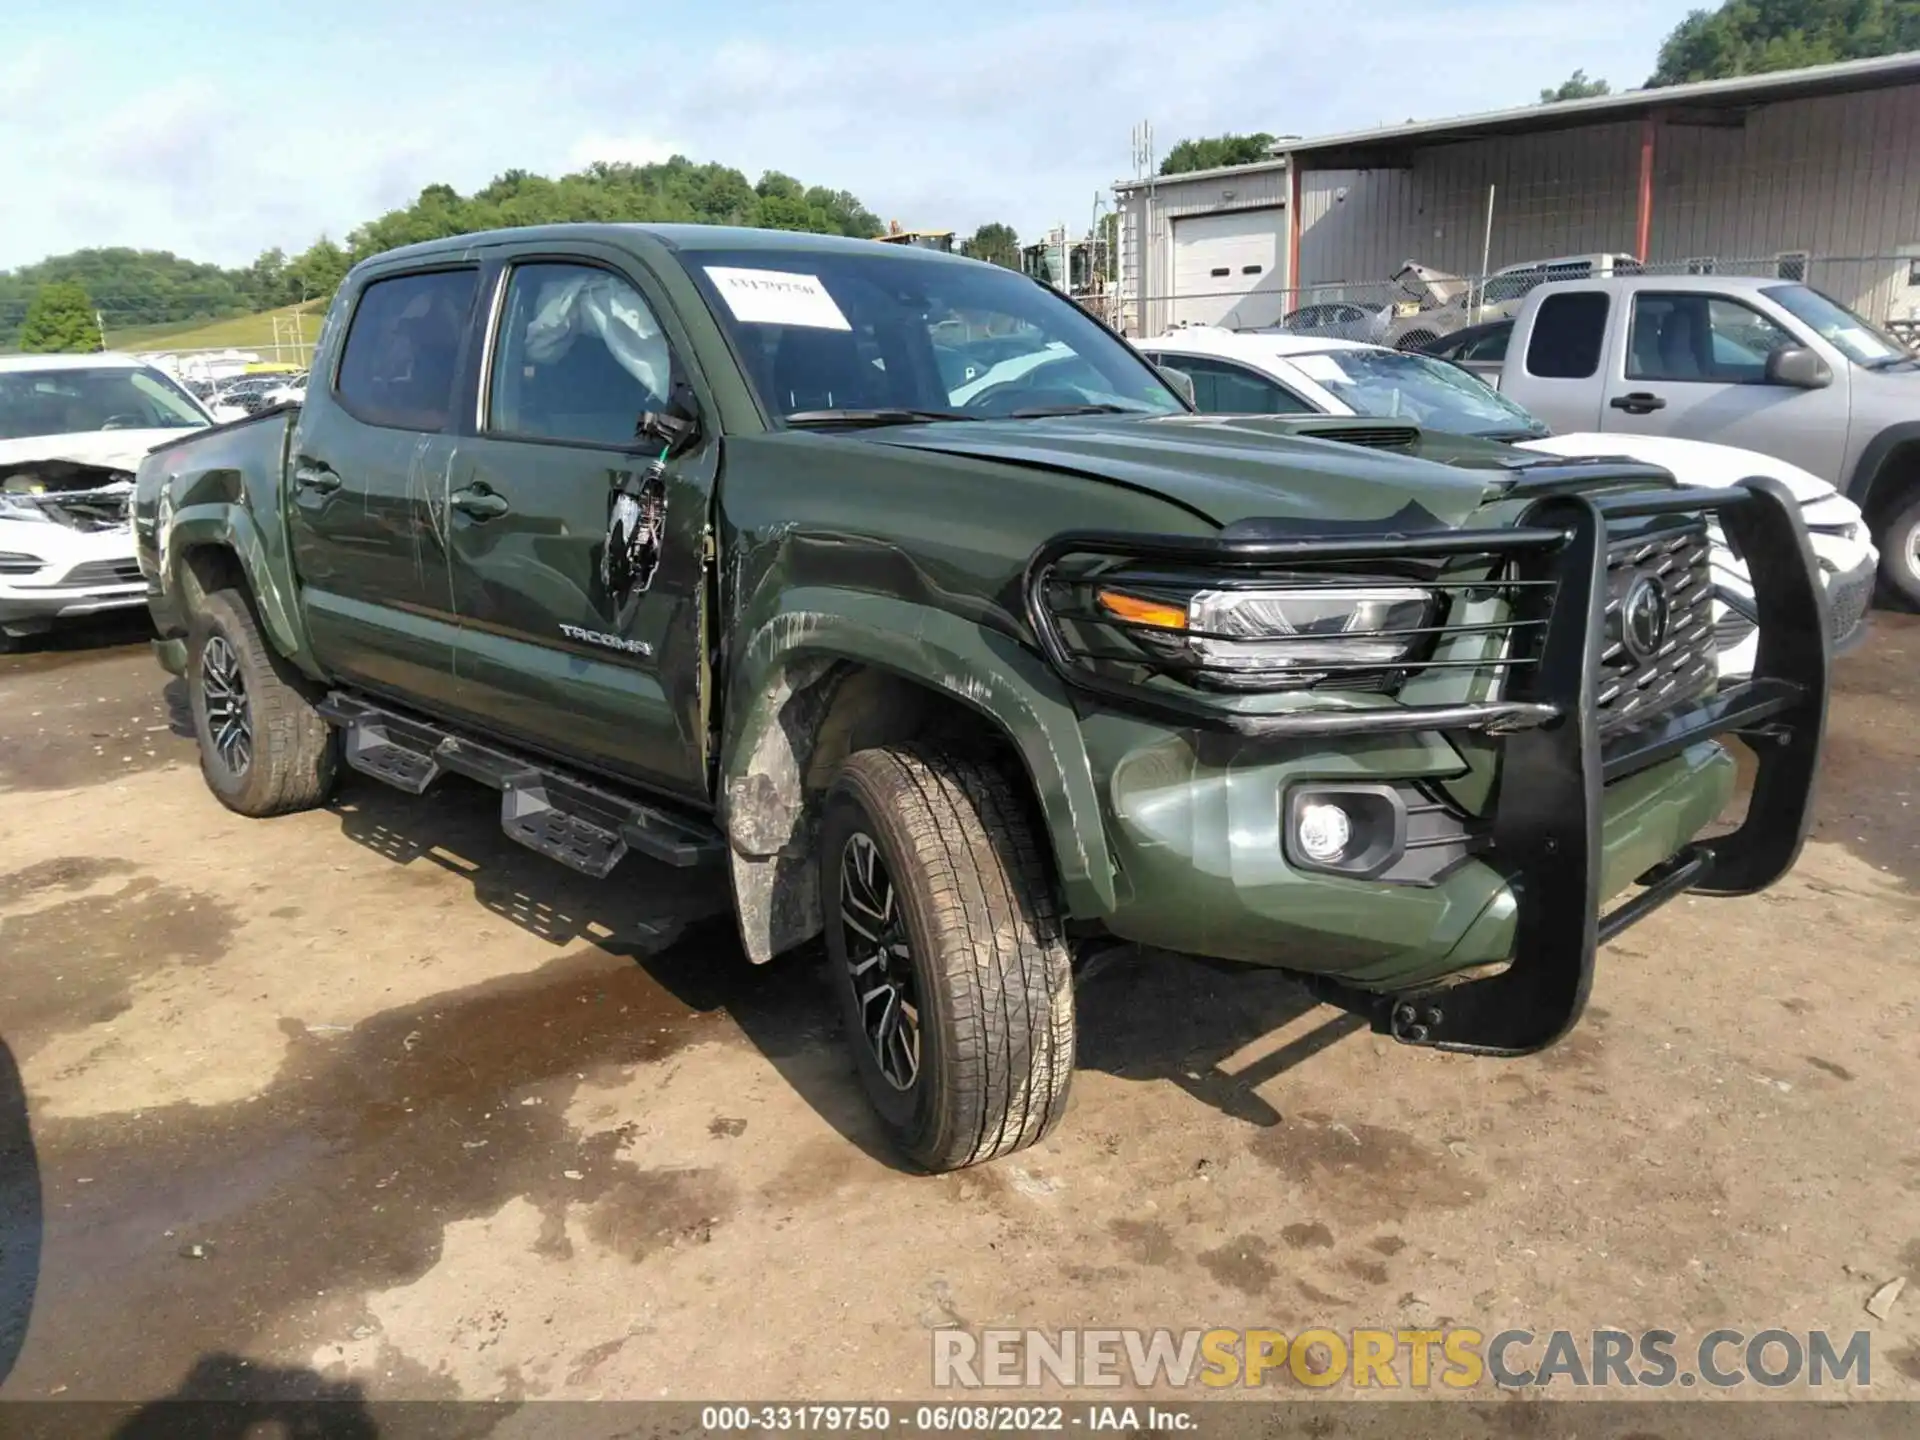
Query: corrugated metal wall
{"type": "Point", "coordinates": [1838, 177]}
{"type": "Point", "coordinates": [1149, 217]}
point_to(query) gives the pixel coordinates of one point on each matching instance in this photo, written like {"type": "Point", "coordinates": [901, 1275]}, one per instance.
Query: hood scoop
{"type": "Point", "coordinates": [1371, 434]}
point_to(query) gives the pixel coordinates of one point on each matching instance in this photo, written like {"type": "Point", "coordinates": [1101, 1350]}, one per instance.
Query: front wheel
{"type": "Point", "coordinates": [953, 976]}
{"type": "Point", "coordinates": [1900, 551]}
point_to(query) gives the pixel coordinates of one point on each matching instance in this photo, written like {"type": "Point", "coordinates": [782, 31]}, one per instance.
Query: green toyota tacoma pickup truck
{"type": "Point", "coordinates": [901, 587]}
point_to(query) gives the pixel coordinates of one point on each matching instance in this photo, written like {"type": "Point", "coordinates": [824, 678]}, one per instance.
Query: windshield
{"type": "Point", "coordinates": [892, 331]}
{"type": "Point", "coordinates": [70, 401]}
{"type": "Point", "coordinates": [1431, 393]}
{"type": "Point", "coordinates": [1859, 340]}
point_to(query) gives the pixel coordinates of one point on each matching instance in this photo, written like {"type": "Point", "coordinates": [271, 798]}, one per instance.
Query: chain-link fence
{"type": "Point", "coordinates": [1419, 304]}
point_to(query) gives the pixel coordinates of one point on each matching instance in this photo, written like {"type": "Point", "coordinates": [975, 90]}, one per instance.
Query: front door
{"type": "Point", "coordinates": [1694, 365]}
{"type": "Point", "coordinates": [368, 469]}
{"type": "Point", "coordinates": [577, 564]}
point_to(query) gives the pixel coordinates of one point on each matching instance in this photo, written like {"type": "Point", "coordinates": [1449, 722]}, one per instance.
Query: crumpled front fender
{"type": "Point", "coordinates": [783, 678]}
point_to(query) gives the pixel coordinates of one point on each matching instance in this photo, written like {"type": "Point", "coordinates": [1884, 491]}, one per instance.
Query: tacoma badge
{"type": "Point", "coordinates": [605, 641]}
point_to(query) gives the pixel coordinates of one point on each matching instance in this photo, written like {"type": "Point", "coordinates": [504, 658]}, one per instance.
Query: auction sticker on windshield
{"type": "Point", "coordinates": [777, 297]}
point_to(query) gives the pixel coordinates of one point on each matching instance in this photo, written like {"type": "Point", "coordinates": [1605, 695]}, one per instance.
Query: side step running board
{"type": "Point", "coordinates": [580, 825]}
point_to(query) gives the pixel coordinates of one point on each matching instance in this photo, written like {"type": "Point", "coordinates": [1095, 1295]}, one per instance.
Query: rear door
{"type": "Point", "coordinates": [1557, 375]}
{"type": "Point", "coordinates": [368, 467]}
{"type": "Point", "coordinates": [1693, 364]}
{"type": "Point", "coordinates": [565, 646]}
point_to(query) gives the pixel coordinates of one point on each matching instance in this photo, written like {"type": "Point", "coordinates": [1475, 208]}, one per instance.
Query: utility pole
{"type": "Point", "coordinates": [100, 324]}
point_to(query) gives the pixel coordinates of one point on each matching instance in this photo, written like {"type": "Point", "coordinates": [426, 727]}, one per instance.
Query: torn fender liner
{"type": "Point", "coordinates": [770, 819]}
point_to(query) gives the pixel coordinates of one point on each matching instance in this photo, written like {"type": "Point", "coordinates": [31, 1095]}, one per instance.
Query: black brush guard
{"type": "Point", "coordinates": [1555, 766]}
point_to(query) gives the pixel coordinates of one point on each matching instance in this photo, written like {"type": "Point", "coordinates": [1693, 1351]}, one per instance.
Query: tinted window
{"type": "Point", "coordinates": [403, 349]}
{"type": "Point", "coordinates": [1569, 332]}
{"type": "Point", "coordinates": [580, 356]}
{"type": "Point", "coordinates": [1700, 337]}
{"type": "Point", "coordinates": [1490, 346]}
{"type": "Point", "coordinates": [1223, 389]}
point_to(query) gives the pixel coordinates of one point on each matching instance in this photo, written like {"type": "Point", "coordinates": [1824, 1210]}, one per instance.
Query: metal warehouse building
{"type": "Point", "coordinates": [1810, 174]}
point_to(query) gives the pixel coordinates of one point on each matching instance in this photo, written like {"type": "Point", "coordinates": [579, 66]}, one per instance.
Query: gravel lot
{"type": "Point", "coordinates": [372, 1094]}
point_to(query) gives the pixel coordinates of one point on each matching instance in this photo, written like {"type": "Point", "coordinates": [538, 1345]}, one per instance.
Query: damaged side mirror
{"type": "Point", "coordinates": [676, 426]}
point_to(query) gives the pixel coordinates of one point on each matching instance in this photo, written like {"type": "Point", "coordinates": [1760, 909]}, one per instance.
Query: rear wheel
{"type": "Point", "coordinates": [953, 976]}
{"type": "Point", "coordinates": [1900, 550]}
{"type": "Point", "coordinates": [264, 749]}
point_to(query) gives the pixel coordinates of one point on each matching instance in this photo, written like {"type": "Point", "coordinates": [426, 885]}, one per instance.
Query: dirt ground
{"type": "Point", "coordinates": [373, 1094]}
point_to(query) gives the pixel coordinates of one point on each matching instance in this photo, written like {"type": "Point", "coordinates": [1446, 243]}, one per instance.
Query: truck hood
{"type": "Point", "coordinates": [108, 449]}
{"type": "Point", "coordinates": [1227, 468]}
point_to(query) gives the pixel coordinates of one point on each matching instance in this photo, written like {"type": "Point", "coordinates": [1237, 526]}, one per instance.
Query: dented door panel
{"type": "Point", "coordinates": [551, 651]}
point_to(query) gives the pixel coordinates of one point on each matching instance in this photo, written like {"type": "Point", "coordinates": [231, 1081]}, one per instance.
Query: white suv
{"type": "Point", "coordinates": [73, 429]}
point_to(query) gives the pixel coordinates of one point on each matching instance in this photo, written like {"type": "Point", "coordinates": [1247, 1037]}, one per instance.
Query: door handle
{"type": "Point", "coordinates": [479, 502]}
{"type": "Point", "coordinates": [315, 475]}
{"type": "Point", "coordinates": [1638, 402]}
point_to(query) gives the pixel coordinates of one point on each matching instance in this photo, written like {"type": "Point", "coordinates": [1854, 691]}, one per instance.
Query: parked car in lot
{"type": "Point", "coordinates": [73, 429]}
{"type": "Point", "coordinates": [699, 554]}
{"type": "Point", "coordinates": [1774, 366]}
{"type": "Point", "coordinates": [1480, 349]}
{"type": "Point", "coordinates": [289, 390]}
{"type": "Point", "coordinates": [1268, 374]}
{"type": "Point", "coordinates": [1345, 318]}
{"type": "Point", "coordinates": [247, 395]}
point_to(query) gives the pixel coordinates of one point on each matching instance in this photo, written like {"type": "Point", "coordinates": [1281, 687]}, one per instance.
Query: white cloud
{"type": "Point", "coordinates": [948, 120]}
{"type": "Point", "coordinates": [619, 149]}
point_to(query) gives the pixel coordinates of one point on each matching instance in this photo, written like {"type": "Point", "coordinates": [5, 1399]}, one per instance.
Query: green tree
{"type": "Point", "coordinates": [1575, 87]}
{"type": "Point", "coordinates": [1752, 37]}
{"type": "Point", "coordinates": [152, 287]}
{"type": "Point", "coordinates": [318, 270]}
{"type": "Point", "coordinates": [60, 321]}
{"type": "Point", "coordinates": [1217, 151]}
{"type": "Point", "coordinates": [994, 242]}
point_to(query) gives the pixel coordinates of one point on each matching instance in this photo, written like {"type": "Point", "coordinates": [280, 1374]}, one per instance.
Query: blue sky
{"type": "Point", "coordinates": [216, 131]}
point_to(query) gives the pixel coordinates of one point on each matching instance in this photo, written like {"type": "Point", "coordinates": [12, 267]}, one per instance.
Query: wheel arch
{"type": "Point", "coordinates": [1875, 485]}
{"type": "Point", "coordinates": [209, 547]}
{"type": "Point", "coordinates": [834, 674]}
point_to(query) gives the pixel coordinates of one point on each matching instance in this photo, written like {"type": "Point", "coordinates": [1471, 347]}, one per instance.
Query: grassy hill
{"type": "Point", "coordinates": [242, 332]}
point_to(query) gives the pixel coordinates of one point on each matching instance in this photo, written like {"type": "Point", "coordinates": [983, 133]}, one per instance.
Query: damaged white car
{"type": "Point", "coordinates": [73, 429]}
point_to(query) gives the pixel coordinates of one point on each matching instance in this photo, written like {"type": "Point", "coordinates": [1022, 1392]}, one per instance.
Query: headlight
{"type": "Point", "coordinates": [12, 509]}
{"type": "Point", "coordinates": [1283, 637]}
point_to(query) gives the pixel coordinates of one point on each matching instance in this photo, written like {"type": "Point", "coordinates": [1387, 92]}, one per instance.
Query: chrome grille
{"type": "Point", "coordinates": [1635, 686]}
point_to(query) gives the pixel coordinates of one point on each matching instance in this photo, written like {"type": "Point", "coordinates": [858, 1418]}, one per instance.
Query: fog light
{"type": "Point", "coordinates": [1324, 831]}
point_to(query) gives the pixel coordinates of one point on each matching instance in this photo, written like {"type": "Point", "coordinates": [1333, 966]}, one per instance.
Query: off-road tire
{"type": "Point", "coordinates": [1900, 550]}
{"type": "Point", "coordinates": [988, 958]}
{"type": "Point", "coordinates": [294, 758]}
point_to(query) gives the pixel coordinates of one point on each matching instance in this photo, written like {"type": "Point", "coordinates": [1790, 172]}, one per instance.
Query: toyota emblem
{"type": "Point", "coordinates": [1643, 618]}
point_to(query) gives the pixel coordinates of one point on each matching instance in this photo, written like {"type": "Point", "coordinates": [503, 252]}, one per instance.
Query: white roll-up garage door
{"type": "Point", "coordinates": [1220, 259]}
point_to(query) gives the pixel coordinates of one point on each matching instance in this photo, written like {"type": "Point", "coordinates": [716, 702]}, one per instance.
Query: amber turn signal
{"type": "Point", "coordinates": [1157, 613]}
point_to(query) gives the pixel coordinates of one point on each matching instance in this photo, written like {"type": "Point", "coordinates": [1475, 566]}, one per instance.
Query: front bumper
{"type": "Point", "coordinates": [1572, 816]}
{"type": "Point", "coordinates": [55, 573]}
{"type": "Point", "coordinates": [26, 608]}
{"type": "Point", "coordinates": [1848, 595]}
